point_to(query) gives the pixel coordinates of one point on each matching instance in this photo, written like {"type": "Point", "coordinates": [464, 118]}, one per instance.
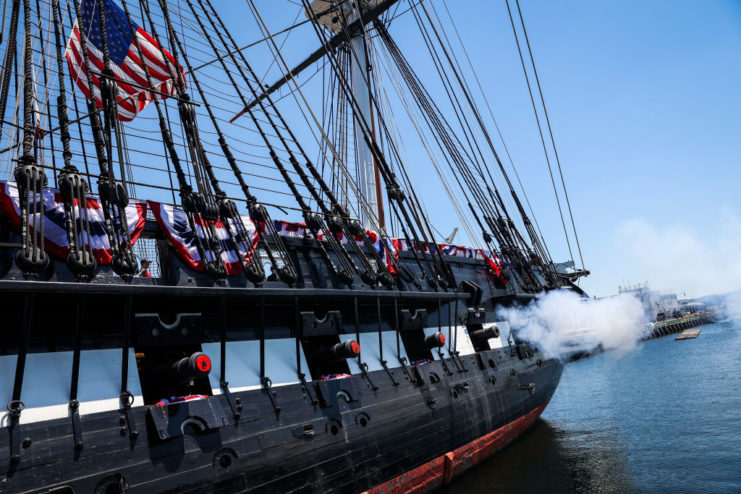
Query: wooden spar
{"type": "Point", "coordinates": [377, 173]}
{"type": "Point", "coordinates": [333, 43]}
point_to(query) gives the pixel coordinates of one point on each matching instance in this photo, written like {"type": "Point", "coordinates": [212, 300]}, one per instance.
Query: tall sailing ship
{"type": "Point", "coordinates": [163, 332]}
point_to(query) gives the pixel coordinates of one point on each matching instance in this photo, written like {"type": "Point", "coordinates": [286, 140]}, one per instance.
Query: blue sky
{"type": "Point", "coordinates": [645, 105]}
{"type": "Point", "coordinates": [644, 100]}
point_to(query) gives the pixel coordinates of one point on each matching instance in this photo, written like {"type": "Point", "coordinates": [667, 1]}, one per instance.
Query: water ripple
{"type": "Point", "coordinates": [665, 418]}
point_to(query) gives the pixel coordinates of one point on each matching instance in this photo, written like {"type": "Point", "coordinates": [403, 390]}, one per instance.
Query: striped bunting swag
{"type": "Point", "coordinates": [174, 224]}
{"type": "Point", "coordinates": [55, 234]}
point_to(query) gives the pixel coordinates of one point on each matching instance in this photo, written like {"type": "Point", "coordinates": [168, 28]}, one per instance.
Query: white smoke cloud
{"type": "Point", "coordinates": [733, 305]}
{"type": "Point", "coordinates": [678, 257]}
{"type": "Point", "coordinates": [561, 321]}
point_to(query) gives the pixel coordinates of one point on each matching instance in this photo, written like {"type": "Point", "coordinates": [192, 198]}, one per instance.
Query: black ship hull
{"type": "Point", "coordinates": [333, 446]}
{"type": "Point", "coordinates": [386, 413]}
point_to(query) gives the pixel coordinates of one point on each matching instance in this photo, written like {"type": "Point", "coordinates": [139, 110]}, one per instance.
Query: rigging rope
{"type": "Point", "coordinates": [31, 179]}
{"type": "Point", "coordinates": [494, 120]}
{"type": "Point", "coordinates": [285, 269]}
{"type": "Point", "coordinates": [540, 252]}
{"type": "Point", "coordinates": [435, 160]}
{"type": "Point", "coordinates": [71, 184]}
{"type": "Point", "coordinates": [500, 228]}
{"type": "Point", "coordinates": [314, 222]}
{"type": "Point", "coordinates": [10, 53]}
{"type": "Point", "coordinates": [337, 218]}
{"type": "Point", "coordinates": [550, 131]}
{"type": "Point", "coordinates": [113, 196]}
{"type": "Point", "coordinates": [441, 274]}
{"type": "Point", "coordinates": [324, 138]}
{"type": "Point", "coordinates": [199, 205]}
{"type": "Point", "coordinates": [540, 129]}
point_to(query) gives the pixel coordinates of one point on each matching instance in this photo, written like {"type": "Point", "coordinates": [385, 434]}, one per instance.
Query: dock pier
{"type": "Point", "coordinates": [675, 325]}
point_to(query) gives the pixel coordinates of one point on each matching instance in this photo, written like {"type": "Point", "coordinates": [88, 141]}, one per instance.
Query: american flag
{"type": "Point", "coordinates": [133, 89]}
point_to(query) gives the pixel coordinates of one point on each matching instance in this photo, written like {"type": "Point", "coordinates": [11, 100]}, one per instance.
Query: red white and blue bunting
{"type": "Point", "coordinates": [388, 249]}
{"type": "Point", "coordinates": [55, 234]}
{"type": "Point", "coordinates": [299, 230]}
{"type": "Point", "coordinates": [174, 224]}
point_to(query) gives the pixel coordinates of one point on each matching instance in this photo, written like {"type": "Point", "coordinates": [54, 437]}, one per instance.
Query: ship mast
{"type": "Point", "coordinates": [366, 169]}
{"type": "Point", "coordinates": [337, 18]}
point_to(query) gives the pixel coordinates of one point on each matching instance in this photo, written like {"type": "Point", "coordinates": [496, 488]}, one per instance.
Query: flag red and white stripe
{"type": "Point", "coordinates": [134, 91]}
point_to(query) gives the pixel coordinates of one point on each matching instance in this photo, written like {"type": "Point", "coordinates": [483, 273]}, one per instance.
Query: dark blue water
{"type": "Point", "coordinates": [663, 418]}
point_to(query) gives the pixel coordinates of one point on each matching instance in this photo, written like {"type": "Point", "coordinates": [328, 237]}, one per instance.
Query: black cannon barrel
{"type": "Point", "coordinates": [343, 350]}
{"type": "Point", "coordinates": [192, 367]}
{"type": "Point", "coordinates": [491, 332]}
{"type": "Point", "coordinates": [436, 340]}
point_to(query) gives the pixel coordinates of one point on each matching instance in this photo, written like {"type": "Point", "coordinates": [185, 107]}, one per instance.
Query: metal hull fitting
{"type": "Point", "coordinates": [332, 446]}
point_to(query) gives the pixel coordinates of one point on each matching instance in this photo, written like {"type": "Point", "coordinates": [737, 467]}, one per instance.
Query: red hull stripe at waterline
{"type": "Point", "coordinates": [442, 469]}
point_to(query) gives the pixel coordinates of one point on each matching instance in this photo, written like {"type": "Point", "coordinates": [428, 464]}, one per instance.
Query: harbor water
{"type": "Point", "coordinates": [664, 418]}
